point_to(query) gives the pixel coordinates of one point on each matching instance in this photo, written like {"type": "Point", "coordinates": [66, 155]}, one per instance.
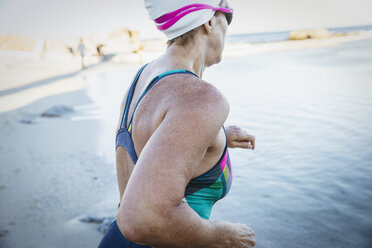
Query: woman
{"type": "Point", "coordinates": [172, 157]}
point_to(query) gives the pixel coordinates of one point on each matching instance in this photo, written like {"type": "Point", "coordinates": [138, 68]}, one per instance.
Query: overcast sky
{"type": "Point", "coordinates": [59, 18]}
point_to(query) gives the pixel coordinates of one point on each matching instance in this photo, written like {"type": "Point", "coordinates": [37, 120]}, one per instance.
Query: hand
{"type": "Point", "coordinates": [237, 137]}
{"type": "Point", "coordinates": [243, 236]}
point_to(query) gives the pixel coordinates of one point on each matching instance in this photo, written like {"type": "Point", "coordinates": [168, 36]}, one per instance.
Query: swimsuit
{"type": "Point", "coordinates": [201, 193]}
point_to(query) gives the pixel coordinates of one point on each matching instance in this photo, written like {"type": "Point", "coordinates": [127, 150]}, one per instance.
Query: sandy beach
{"type": "Point", "coordinates": [56, 171]}
{"type": "Point", "coordinates": [52, 170]}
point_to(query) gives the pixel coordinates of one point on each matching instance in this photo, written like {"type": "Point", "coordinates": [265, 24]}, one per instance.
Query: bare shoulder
{"type": "Point", "coordinates": [197, 98]}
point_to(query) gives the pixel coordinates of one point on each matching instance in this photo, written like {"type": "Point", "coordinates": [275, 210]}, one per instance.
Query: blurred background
{"type": "Point", "coordinates": [298, 75]}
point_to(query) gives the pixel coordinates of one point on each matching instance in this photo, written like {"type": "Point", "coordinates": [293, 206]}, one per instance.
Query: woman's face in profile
{"type": "Point", "coordinates": [218, 40]}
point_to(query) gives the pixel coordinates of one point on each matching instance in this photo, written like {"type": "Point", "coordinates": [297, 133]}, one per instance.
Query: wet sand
{"type": "Point", "coordinates": [52, 172]}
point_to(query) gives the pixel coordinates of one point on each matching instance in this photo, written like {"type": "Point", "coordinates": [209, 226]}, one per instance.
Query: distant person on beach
{"type": "Point", "coordinates": [172, 156]}
{"type": "Point", "coordinates": [81, 49]}
{"type": "Point", "coordinates": [100, 52]}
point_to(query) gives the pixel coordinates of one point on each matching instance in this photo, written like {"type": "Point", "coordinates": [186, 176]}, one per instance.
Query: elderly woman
{"type": "Point", "coordinates": [171, 147]}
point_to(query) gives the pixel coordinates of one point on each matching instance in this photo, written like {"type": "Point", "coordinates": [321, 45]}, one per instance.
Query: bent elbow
{"type": "Point", "coordinates": [130, 233]}
{"type": "Point", "coordinates": [139, 229]}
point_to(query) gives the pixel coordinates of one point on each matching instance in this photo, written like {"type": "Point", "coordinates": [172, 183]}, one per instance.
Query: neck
{"type": "Point", "coordinates": [191, 57]}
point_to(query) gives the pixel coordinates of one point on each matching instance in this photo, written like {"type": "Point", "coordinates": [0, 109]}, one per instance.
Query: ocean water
{"type": "Point", "coordinates": [308, 183]}
{"type": "Point", "coordinates": [284, 35]}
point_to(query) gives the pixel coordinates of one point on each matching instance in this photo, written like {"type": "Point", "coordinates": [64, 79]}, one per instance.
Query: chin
{"type": "Point", "coordinates": [214, 61]}
{"type": "Point", "coordinates": [217, 60]}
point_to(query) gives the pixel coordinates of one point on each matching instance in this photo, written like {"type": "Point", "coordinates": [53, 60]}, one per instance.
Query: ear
{"type": "Point", "coordinates": [208, 26]}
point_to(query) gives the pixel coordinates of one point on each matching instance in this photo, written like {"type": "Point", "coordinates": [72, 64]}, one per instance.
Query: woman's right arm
{"type": "Point", "coordinates": [152, 211]}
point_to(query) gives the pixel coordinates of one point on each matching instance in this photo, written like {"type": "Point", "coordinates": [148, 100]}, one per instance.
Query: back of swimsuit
{"type": "Point", "coordinates": [201, 193]}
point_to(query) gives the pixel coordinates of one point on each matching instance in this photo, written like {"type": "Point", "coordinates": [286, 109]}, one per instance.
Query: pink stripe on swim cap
{"type": "Point", "coordinates": [168, 20]}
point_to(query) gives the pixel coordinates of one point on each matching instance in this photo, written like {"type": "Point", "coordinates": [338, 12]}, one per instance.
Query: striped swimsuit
{"type": "Point", "coordinates": [201, 193]}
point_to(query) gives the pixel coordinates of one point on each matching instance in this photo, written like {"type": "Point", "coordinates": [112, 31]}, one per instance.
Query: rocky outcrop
{"type": "Point", "coordinates": [57, 111]}
{"type": "Point", "coordinates": [120, 41]}
{"type": "Point", "coordinates": [104, 222]}
{"type": "Point", "coordinates": [16, 43]}
{"type": "Point", "coordinates": [320, 33]}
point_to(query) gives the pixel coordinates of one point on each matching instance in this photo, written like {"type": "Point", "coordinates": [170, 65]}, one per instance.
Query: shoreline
{"type": "Point", "coordinates": [43, 78]}
{"type": "Point", "coordinates": [246, 49]}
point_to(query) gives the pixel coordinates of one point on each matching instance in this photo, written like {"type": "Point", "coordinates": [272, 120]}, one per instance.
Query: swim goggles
{"type": "Point", "coordinates": [168, 20]}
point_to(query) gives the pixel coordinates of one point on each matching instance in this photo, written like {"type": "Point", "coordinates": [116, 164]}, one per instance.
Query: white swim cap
{"type": "Point", "coordinates": [176, 17]}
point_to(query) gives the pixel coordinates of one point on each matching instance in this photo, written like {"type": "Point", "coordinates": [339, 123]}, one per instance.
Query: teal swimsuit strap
{"type": "Point", "coordinates": [130, 97]}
